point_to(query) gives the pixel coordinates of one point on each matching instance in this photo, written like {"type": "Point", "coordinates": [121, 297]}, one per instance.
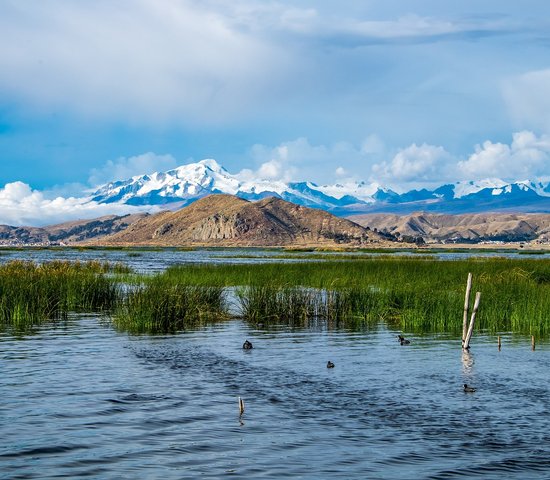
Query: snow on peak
{"type": "Point", "coordinates": [461, 189]}
{"type": "Point", "coordinates": [195, 180]}
{"type": "Point", "coordinates": [212, 165]}
{"type": "Point", "coordinates": [361, 190]}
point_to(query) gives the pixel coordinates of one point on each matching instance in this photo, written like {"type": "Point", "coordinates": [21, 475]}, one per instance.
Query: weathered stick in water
{"type": "Point", "coordinates": [241, 406]}
{"type": "Point", "coordinates": [532, 342]}
{"type": "Point", "coordinates": [466, 308]}
{"type": "Point", "coordinates": [499, 343]}
{"type": "Point", "coordinates": [472, 322]}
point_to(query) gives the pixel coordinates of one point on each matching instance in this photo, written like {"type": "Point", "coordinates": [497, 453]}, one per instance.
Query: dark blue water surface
{"type": "Point", "coordinates": [82, 400]}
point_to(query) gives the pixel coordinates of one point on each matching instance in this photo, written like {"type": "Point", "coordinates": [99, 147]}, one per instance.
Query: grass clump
{"type": "Point", "coordinates": [31, 293]}
{"type": "Point", "coordinates": [160, 306]}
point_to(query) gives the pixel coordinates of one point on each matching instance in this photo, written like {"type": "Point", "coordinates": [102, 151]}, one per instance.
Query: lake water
{"type": "Point", "coordinates": [156, 260]}
{"type": "Point", "coordinates": [80, 399]}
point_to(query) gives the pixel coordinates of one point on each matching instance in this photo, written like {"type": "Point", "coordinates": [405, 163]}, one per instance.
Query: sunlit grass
{"type": "Point", "coordinates": [31, 293]}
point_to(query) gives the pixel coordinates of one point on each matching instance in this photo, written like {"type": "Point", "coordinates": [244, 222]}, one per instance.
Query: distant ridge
{"type": "Point", "coordinates": [466, 228]}
{"type": "Point", "coordinates": [68, 232]}
{"type": "Point", "coordinates": [226, 220]}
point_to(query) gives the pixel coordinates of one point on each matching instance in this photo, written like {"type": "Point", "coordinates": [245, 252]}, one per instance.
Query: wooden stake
{"type": "Point", "coordinates": [499, 343]}
{"type": "Point", "coordinates": [241, 406]}
{"type": "Point", "coordinates": [533, 342]}
{"type": "Point", "coordinates": [472, 322]}
{"type": "Point", "coordinates": [466, 309]}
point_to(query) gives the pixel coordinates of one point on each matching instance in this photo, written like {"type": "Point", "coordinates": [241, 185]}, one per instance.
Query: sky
{"type": "Point", "coordinates": [405, 94]}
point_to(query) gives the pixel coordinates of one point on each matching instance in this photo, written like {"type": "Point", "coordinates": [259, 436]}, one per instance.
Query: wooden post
{"type": "Point", "coordinates": [241, 406]}
{"type": "Point", "coordinates": [466, 309]}
{"type": "Point", "coordinates": [472, 321]}
{"type": "Point", "coordinates": [533, 342]}
{"type": "Point", "coordinates": [499, 343]}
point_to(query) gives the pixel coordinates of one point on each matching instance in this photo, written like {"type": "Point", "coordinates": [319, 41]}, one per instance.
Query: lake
{"type": "Point", "coordinates": [83, 400]}
{"type": "Point", "coordinates": [80, 399]}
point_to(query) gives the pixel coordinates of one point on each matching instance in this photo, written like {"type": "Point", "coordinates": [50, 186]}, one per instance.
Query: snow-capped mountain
{"type": "Point", "coordinates": [190, 182]}
{"type": "Point", "coordinates": [187, 183]}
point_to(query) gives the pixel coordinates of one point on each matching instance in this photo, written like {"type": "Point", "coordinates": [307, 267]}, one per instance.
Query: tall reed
{"type": "Point", "coordinates": [412, 293]}
{"type": "Point", "coordinates": [161, 306]}
{"type": "Point", "coordinates": [31, 293]}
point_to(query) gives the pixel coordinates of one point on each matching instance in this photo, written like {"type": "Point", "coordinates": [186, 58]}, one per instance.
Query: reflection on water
{"type": "Point", "coordinates": [88, 401]}
{"type": "Point", "coordinates": [467, 363]}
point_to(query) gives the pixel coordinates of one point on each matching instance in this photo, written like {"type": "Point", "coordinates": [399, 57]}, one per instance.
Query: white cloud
{"type": "Point", "coordinates": [528, 99]}
{"type": "Point", "coordinates": [141, 61]}
{"type": "Point", "coordinates": [124, 168]}
{"type": "Point", "coordinates": [527, 157]}
{"type": "Point", "coordinates": [20, 205]}
{"type": "Point", "coordinates": [326, 21]}
{"type": "Point", "coordinates": [420, 164]}
{"type": "Point", "coordinates": [372, 145]}
{"type": "Point", "coordinates": [299, 160]}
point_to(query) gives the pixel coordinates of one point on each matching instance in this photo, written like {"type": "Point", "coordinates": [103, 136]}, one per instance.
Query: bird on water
{"type": "Point", "coordinates": [330, 364]}
{"type": "Point", "coordinates": [403, 340]}
{"type": "Point", "coordinates": [247, 345]}
{"type": "Point", "coordinates": [469, 389]}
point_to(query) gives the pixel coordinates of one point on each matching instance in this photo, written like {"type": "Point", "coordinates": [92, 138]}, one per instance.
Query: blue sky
{"type": "Point", "coordinates": [403, 93]}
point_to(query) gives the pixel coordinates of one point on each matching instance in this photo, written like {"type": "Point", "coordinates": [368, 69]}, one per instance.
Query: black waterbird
{"type": "Point", "coordinates": [247, 345]}
{"type": "Point", "coordinates": [403, 340]}
{"type": "Point", "coordinates": [469, 389]}
{"type": "Point", "coordinates": [330, 364]}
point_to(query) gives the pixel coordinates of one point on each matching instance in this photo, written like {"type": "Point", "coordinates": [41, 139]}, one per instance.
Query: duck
{"type": "Point", "coordinates": [403, 340]}
{"type": "Point", "coordinates": [247, 345]}
{"type": "Point", "coordinates": [469, 389]}
{"type": "Point", "coordinates": [330, 364]}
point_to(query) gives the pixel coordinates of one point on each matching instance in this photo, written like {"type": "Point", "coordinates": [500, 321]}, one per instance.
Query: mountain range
{"type": "Point", "coordinates": [185, 184]}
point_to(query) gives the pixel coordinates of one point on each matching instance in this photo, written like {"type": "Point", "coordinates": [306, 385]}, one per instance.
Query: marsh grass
{"type": "Point", "coordinates": [417, 294]}
{"type": "Point", "coordinates": [160, 306]}
{"type": "Point", "coordinates": [31, 293]}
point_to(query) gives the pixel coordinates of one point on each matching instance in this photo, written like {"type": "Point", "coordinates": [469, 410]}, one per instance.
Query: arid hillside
{"type": "Point", "coordinates": [68, 232]}
{"type": "Point", "coordinates": [468, 228]}
{"type": "Point", "coordinates": [226, 220]}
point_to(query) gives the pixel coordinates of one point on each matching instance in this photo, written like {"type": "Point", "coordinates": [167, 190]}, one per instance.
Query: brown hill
{"type": "Point", "coordinates": [226, 220]}
{"type": "Point", "coordinates": [470, 228]}
{"type": "Point", "coordinates": [68, 232]}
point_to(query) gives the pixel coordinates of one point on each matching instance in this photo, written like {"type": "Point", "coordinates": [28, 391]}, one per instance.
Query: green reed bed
{"type": "Point", "coordinates": [31, 293]}
{"type": "Point", "coordinates": [269, 303]}
{"type": "Point", "coordinates": [414, 294]}
{"type": "Point", "coordinates": [161, 306]}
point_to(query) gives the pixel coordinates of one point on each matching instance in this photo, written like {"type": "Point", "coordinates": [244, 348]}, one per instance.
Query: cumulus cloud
{"type": "Point", "coordinates": [124, 168]}
{"type": "Point", "coordinates": [527, 157]}
{"type": "Point", "coordinates": [299, 160]}
{"type": "Point", "coordinates": [341, 172]}
{"type": "Point", "coordinates": [21, 205]}
{"type": "Point", "coordinates": [420, 164]}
